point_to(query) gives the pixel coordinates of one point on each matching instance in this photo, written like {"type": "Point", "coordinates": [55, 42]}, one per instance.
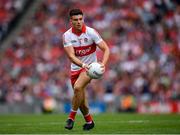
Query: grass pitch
{"type": "Point", "coordinates": [104, 124]}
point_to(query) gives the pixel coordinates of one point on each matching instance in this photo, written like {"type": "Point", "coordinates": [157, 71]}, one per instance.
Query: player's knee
{"type": "Point", "coordinates": [77, 88]}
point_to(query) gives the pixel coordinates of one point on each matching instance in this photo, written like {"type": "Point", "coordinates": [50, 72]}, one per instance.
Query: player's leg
{"type": "Point", "coordinates": [78, 86]}
{"type": "Point", "coordinates": [85, 111]}
{"type": "Point", "coordinates": [84, 105]}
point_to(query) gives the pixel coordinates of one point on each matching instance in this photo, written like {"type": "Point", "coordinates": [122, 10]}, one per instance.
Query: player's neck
{"type": "Point", "coordinates": [79, 31]}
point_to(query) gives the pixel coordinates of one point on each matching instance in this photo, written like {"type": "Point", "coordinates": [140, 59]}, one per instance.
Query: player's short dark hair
{"type": "Point", "coordinates": [75, 11]}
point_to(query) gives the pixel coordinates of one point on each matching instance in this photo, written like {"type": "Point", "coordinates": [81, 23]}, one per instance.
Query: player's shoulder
{"type": "Point", "coordinates": [68, 32]}
{"type": "Point", "coordinates": [90, 30]}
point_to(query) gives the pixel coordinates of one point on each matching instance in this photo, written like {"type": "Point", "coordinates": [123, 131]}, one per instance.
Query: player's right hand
{"type": "Point", "coordinates": [85, 66]}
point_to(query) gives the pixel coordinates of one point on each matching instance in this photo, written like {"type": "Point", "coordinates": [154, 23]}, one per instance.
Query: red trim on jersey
{"type": "Point", "coordinates": [79, 33]}
{"type": "Point", "coordinates": [85, 50]}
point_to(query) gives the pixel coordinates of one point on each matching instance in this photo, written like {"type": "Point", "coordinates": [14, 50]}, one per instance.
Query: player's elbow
{"type": "Point", "coordinates": [105, 47]}
{"type": "Point", "coordinates": [71, 57]}
{"type": "Point", "coordinates": [106, 50]}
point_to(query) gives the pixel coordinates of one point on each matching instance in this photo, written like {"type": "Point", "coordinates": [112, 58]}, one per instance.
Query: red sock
{"type": "Point", "coordinates": [88, 118]}
{"type": "Point", "coordinates": [72, 115]}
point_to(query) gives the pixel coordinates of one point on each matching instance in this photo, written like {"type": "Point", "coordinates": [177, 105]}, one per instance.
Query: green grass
{"type": "Point", "coordinates": [105, 124]}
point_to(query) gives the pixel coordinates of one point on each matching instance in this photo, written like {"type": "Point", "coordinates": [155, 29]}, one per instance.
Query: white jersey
{"type": "Point", "coordinates": [84, 44]}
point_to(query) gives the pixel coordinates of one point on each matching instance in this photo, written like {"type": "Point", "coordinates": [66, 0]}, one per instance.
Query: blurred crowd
{"type": "Point", "coordinates": [8, 11]}
{"type": "Point", "coordinates": [144, 40]}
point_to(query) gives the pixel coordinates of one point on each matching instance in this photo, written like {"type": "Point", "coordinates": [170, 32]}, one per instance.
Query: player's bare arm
{"type": "Point", "coordinates": [71, 55]}
{"type": "Point", "coordinates": [103, 46]}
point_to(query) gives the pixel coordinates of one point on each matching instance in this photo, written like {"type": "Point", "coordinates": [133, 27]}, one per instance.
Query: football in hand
{"type": "Point", "coordinates": [95, 70]}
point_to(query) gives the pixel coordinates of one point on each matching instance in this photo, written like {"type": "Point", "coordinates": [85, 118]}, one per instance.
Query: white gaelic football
{"type": "Point", "coordinates": [95, 70]}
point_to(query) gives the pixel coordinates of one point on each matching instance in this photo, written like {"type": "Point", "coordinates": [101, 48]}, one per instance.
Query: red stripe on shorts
{"type": "Point", "coordinates": [75, 75]}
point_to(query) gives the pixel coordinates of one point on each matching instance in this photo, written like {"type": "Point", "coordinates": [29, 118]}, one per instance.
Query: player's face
{"type": "Point", "coordinates": [77, 22]}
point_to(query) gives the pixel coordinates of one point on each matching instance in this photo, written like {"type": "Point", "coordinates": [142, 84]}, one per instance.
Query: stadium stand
{"type": "Point", "coordinates": [10, 13]}
{"type": "Point", "coordinates": [144, 67]}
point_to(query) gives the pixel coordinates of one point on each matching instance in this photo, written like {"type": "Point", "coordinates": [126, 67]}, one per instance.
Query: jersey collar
{"type": "Point", "coordinates": [82, 31]}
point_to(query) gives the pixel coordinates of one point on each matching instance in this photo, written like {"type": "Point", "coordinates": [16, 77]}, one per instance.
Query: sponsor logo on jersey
{"type": "Point", "coordinates": [85, 50]}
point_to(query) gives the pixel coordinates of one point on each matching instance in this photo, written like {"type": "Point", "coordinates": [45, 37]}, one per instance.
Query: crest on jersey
{"type": "Point", "coordinates": [85, 40]}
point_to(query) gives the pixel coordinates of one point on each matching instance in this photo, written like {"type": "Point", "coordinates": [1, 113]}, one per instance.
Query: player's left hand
{"type": "Point", "coordinates": [102, 66]}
